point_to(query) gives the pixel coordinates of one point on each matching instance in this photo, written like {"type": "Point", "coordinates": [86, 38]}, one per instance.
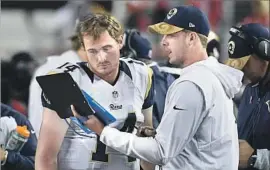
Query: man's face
{"type": "Point", "coordinates": [176, 47]}
{"type": "Point", "coordinates": [102, 54]}
{"type": "Point", "coordinates": [255, 69]}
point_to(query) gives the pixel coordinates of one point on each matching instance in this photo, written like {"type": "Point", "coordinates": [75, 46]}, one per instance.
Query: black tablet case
{"type": "Point", "coordinates": [62, 91]}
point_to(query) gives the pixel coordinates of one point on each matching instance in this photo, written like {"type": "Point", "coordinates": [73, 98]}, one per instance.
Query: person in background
{"type": "Point", "coordinates": [249, 50]}
{"type": "Point", "coordinates": [10, 159]}
{"type": "Point", "coordinates": [7, 71]}
{"type": "Point", "coordinates": [19, 74]}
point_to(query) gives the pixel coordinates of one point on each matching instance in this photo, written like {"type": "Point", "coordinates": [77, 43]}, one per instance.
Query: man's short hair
{"type": "Point", "coordinates": [75, 43]}
{"type": "Point", "coordinates": [203, 39]}
{"type": "Point", "coordinates": [95, 24]}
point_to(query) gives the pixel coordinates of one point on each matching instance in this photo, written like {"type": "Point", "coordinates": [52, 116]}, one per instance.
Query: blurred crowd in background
{"type": "Point", "coordinates": [32, 30]}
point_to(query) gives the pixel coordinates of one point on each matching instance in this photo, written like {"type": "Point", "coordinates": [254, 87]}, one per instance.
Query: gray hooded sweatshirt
{"type": "Point", "coordinates": [198, 130]}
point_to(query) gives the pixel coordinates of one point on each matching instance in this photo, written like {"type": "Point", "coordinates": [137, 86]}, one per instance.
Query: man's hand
{"type": "Point", "coordinates": [146, 131]}
{"type": "Point", "coordinates": [245, 151]}
{"type": "Point", "coordinates": [2, 154]}
{"type": "Point", "coordinates": [92, 123]}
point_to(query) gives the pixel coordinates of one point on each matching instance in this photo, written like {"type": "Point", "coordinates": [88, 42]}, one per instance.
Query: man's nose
{"type": "Point", "coordinates": [164, 41]}
{"type": "Point", "coordinates": [101, 56]}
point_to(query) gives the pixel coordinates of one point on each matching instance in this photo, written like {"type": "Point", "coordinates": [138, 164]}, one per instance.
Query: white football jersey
{"type": "Point", "coordinates": [35, 108]}
{"type": "Point", "coordinates": [131, 93]}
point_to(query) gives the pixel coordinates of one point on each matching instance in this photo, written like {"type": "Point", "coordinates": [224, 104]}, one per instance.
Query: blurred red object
{"type": "Point", "coordinates": [19, 106]}
{"type": "Point", "coordinates": [214, 10]}
{"type": "Point", "coordinates": [259, 14]}
{"type": "Point", "coordinates": [215, 13]}
{"type": "Point", "coordinates": [254, 19]}
{"type": "Point", "coordinates": [162, 4]}
{"type": "Point", "coordinates": [137, 6]}
{"type": "Point", "coordinates": [195, 3]}
{"type": "Point", "coordinates": [142, 22]}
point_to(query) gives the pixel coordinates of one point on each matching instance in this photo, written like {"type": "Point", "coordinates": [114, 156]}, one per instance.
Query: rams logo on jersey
{"type": "Point", "coordinates": [115, 107]}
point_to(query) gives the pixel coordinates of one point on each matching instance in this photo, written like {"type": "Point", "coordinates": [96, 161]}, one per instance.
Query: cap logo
{"type": "Point", "coordinates": [191, 25]}
{"type": "Point", "coordinates": [171, 13]}
{"type": "Point", "coordinates": [231, 47]}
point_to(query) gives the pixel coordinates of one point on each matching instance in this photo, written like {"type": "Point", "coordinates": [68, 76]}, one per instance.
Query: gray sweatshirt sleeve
{"type": "Point", "coordinates": [183, 114]}
{"type": "Point", "coordinates": [263, 159]}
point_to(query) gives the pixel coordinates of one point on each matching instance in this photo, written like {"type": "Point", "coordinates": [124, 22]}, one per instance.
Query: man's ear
{"type": "Point", "coordinates": [121, 41]}
{"type": "Point", "coordinates": [192, 38]}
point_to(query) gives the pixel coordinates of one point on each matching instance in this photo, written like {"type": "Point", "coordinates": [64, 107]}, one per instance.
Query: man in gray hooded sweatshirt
{"type": "Point", "coordinates": [198, 129]}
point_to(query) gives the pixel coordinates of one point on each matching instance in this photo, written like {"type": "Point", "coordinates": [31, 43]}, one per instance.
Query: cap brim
{"type": "Point", "coordinates": [237, 63]}
{"type": "Point", "coordinates": [164, 28]}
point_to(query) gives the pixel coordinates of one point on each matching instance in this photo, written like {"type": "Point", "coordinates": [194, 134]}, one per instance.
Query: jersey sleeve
{"type": "Point", "coordinates": [149, 94]}
{"type": "Point", "coordinates": [72, 69]}
{"type": "Point", "coordinates": [143, 78]}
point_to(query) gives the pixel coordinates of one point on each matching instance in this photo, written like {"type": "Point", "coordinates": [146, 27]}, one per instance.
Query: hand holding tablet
{"type": "Point", "coordinates": [62, 91]}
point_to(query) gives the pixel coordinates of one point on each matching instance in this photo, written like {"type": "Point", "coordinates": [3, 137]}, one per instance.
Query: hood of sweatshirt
{"type": "Point", "coordinates": [230, 78]}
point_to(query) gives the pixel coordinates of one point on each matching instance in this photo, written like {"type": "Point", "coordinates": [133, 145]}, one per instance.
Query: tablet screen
{"type": "Point", "coordinates": [62, 91]}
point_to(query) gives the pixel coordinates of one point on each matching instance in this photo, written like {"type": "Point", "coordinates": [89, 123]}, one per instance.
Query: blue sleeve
{"type": "Point", "coordinates": [17, 161]}
{"type": "Point", "coordinates": [24, 160]}
{"type": "Point", "coordinates": [162, 83]}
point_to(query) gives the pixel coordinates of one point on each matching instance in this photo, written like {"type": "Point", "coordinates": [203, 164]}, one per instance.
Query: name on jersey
{"type": "Point", "coordinates": [115, 107]}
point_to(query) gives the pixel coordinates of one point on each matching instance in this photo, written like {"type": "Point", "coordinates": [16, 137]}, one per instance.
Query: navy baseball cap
{"type": "Point", "coordinates": [183, 17]}
{"type": "Point", "coordinates": [241, 42]}
{"type": "Point", "coordinates": [142, 46]}
{"type": "Point", "coordinates": [136, 44]}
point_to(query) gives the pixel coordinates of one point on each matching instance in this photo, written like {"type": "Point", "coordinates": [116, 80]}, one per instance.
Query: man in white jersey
{"type": "Point", "coordinates": [123, 87]}
{"type": "Point", "coordinates": [76, 54]}
{"type": "Point", "coordinates": [198, 129]}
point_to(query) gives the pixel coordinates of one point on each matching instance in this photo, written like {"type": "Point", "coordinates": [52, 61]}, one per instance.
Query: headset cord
{"type": "Point", "coordinates": [80, 134]}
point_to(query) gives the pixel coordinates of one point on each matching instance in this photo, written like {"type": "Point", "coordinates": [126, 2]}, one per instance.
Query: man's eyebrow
{"type": "Point", "coordinates": [107, 46]}
{"type": "Point", "coordinates": [91, 49]}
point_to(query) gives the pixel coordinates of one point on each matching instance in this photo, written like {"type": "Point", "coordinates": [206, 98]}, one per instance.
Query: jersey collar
{"type": "Point", "coordinates": [122, 67]}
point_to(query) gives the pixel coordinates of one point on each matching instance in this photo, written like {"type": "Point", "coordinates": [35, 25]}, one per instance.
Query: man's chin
{"type": "Point", "coordinates": [173, 61]}
{"type": "Point", "coordinates": [103, 72]}
{"type": "Point", "coordinates": [176, 63]}
{"type": "Point", "coordinates": [106, 70]}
